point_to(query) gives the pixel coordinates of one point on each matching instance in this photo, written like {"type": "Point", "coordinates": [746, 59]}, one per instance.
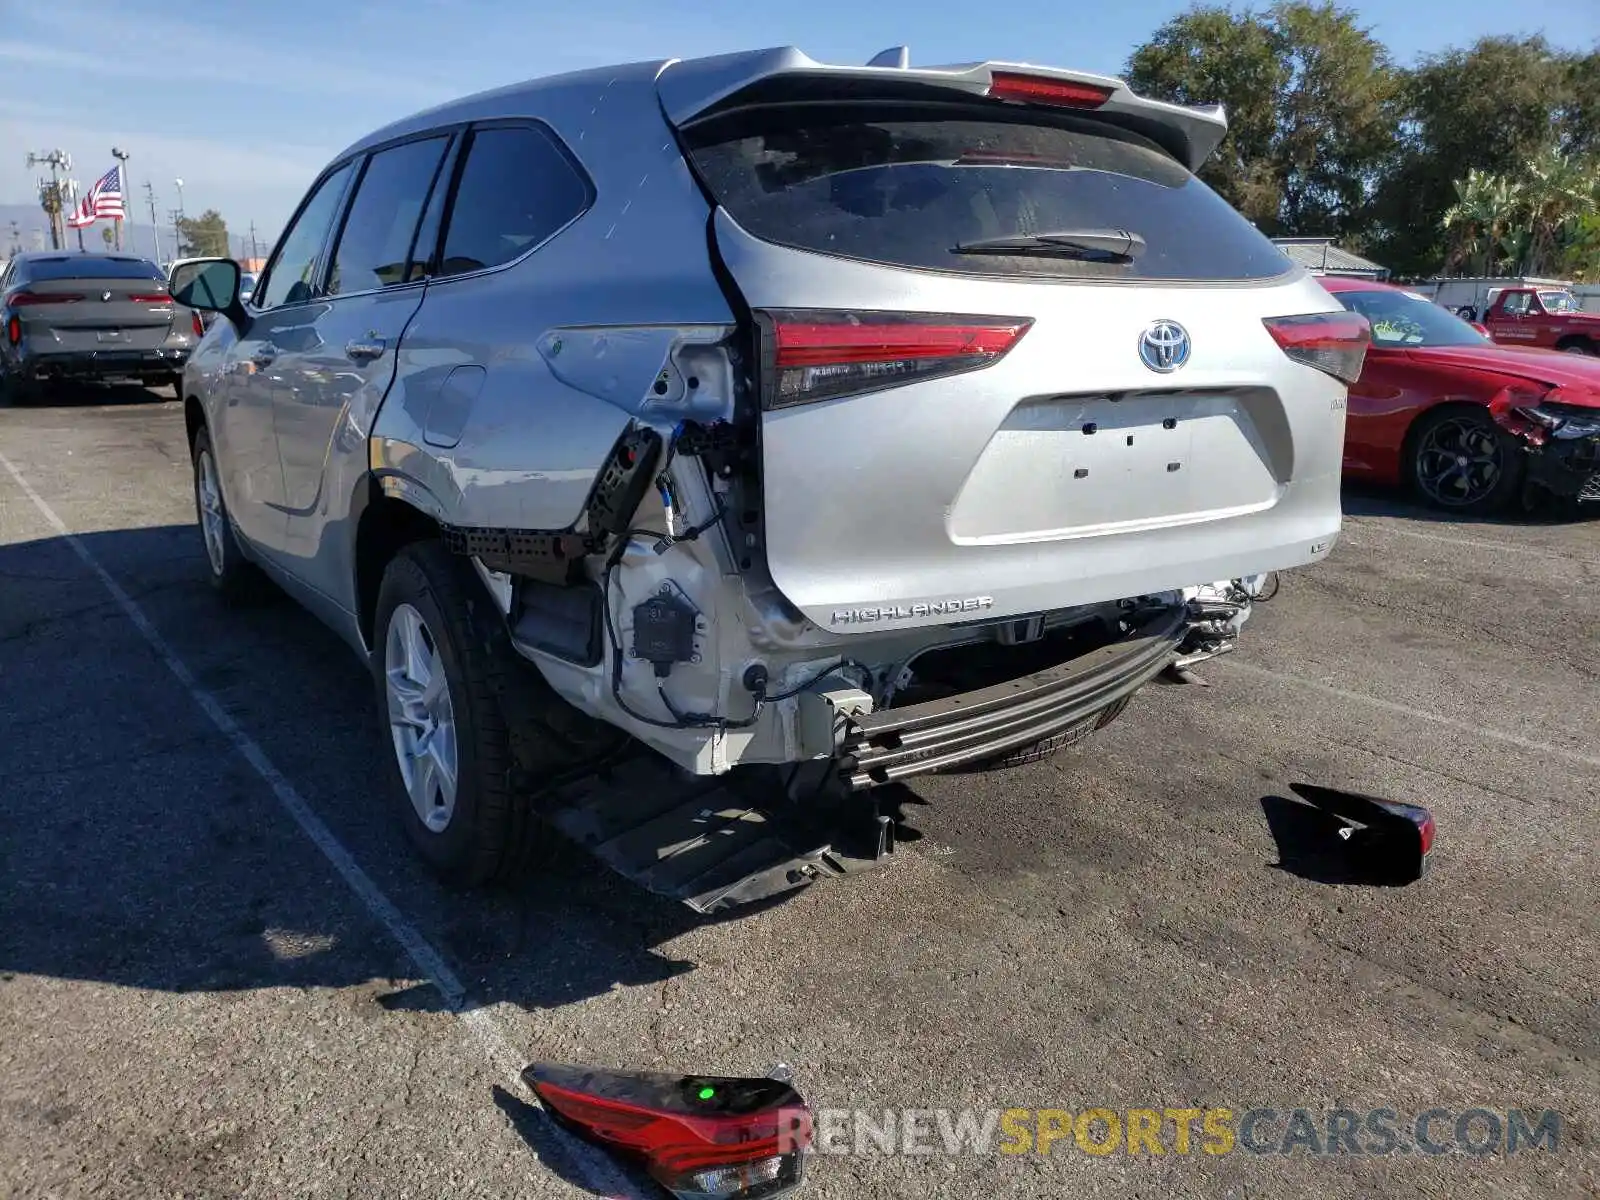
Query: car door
{"type": "Point", "coordinates": [242, 421]}
{"type": "Point", "coordinates": [1507, 320]}
{"type": "Point", "coordinates": [337, 362]}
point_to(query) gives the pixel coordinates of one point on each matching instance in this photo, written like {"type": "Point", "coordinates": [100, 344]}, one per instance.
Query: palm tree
{"type": "Point", "coordinates": [1485, 211]}
{"type": "Point", "coordinates": [1559, 189]}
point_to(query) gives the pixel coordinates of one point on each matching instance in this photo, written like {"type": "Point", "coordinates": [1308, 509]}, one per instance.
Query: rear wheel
{"type": "Point", "coordinates": [19, 391]}
{"type": "Point", "coordinates": [450, 742]}
{"type": "Point", "coordinates": [1460, 460]}
{"type": "Point", "coordinates": [1579, 346]}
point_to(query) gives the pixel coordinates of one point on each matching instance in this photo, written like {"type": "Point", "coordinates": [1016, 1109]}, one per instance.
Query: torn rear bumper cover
{"type": "Point", "coordinates": [1089, 691]}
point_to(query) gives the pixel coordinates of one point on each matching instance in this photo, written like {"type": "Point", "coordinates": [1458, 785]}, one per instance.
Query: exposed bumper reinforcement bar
{"type": "Point", "coordinates": [900, 742]}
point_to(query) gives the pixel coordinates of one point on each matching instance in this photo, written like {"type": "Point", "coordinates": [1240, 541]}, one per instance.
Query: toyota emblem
{"type": "Point", "coordinates": [1164, 347]}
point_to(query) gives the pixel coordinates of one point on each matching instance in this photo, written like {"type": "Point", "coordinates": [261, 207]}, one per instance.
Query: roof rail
{"type": "Point", "coordinates": [898, 57]}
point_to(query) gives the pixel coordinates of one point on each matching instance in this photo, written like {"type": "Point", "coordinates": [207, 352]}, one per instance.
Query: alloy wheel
{"type": "Point", "coordinates": [421, 718]}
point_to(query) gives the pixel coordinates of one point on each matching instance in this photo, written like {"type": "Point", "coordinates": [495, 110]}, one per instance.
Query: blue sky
{"type": "Point", "coordinates": [245, 102]}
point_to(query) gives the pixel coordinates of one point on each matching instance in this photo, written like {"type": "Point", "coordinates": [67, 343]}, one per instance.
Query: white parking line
{"type": "Point", "coordinates": [600, 1175]}
{"type": "Point", "coordinates": [1495, 735]}
{"type": "Point", "coordinates": [1478, 543]}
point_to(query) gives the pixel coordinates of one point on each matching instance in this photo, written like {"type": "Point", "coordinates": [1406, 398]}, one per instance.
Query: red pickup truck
{"type": "Point", "coordinates": [1544, 317]}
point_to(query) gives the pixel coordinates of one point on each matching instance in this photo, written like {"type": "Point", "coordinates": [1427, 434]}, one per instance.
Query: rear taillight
{"type": "Point", "coordinates": [1038, 89]}
{"type": "Point", "coordinates": [27, 299]}
{"type": "Point", "coordinates": [197, 324]}
{"type": "Point", "coordinates": [810, 355]}
{"type": "Point", "coordinates": [698, 1136]}
{"type": "Point", "coordinates": [14, 330]}
{"type": "Point", "coordinates": [151, 298]}
{"type": "Point", "coordinates": [1334, 342]}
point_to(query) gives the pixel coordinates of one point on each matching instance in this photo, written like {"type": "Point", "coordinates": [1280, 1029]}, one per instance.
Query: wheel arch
{"type": "Point", "coordinates": [1579, 341]}
{"type": "Point", "coordinates": [194, 418]}
{"type": "Point", "coordinates": [393, 514]}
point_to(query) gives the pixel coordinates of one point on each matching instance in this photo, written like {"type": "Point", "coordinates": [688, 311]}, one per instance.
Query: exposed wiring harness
{"type": "Point", "coordinates": [663, 541]}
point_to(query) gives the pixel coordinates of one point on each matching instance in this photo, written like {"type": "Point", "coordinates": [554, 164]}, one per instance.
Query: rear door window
{"type": "Point", "coordinates": [904, 186]}
{"type": "Point", "coordinates": [518, 187]}
{"type": "Point", "coordinates": [375, 245]}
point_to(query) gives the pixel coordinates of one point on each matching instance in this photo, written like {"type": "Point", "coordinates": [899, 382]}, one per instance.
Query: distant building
{"type": "Point", "coordinates": [1322, 257]}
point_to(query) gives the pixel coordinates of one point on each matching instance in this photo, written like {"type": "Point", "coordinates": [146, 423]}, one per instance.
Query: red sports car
{"type": "Point", "coordinates": [1467, 424]}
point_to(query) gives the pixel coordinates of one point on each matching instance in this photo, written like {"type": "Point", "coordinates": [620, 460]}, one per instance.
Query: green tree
{"type": "Point", "coordinates": [1310, 96]}
{"type": "Point", "coordinates": [205, 236]}
{"type": "Point", "coordinates": [1493, 107]}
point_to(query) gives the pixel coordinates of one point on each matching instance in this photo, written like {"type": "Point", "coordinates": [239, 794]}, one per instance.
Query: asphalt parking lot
{"type": "Point", "coordinates": [215, 946]}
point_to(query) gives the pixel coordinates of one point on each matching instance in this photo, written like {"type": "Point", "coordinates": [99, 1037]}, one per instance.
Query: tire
{"type": "Point", "coordinates": [1463, 430]}
{"type": "Point", "coordinates": [478, 831]}
{"type": "Point", "coordinates": [232, 576]}
{"type": "Point", "coordinates": [21, 392]}
{"type": "Point", "coordinates": [1579, 346]}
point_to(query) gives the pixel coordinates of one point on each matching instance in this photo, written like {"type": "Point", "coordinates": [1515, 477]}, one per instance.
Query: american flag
{"type": "Point", "coordinates": [103, 201]}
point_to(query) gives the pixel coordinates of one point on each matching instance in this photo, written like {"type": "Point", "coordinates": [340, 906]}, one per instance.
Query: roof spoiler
{"type": "Point", "coordinates": [692, 89]}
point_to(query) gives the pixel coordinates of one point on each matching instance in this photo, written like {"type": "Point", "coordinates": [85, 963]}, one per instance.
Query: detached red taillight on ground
{"type": "Point", "coordinates": [810, 355]}
{"type": "Point", "coordinates": [1334, 342]}
{"type": "Point", "coordinates": [698, 1136]}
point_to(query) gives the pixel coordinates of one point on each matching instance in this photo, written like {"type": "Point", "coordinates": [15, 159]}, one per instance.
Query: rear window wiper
{"type": "Point", "coordinates": [1092, 245]}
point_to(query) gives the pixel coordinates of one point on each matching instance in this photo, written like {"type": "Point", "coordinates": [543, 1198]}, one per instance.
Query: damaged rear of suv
{"type": "Point", "coordinates": [814, 426]}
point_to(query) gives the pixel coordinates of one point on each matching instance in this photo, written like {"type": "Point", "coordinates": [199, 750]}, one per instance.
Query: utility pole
{"type": "Point", "coordinates": [50, 193]}
{"type": "Point", "coordinates": [253, 254]}
{"type": "Point", "coordinates": [122, 157]}
{"type": "Point", "coordinates": [155, 225]}
{"type": "Point", "coordinates": [175, 215]}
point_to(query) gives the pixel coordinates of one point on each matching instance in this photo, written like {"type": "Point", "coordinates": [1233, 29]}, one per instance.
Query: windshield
{"type": "Point", "coordinates": [1406, 319]}
{"type": "Point", "coordinates": [1557, 302]}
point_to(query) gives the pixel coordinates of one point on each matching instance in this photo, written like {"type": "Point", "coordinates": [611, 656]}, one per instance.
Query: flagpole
{"type": "Point", "coordinates": [122, 157]}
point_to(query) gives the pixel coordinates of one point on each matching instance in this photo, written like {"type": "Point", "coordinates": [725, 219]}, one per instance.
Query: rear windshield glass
{"type": "Point", "coordinates": [1404, 319]}
{"type": "Point", "coordinates": [92, 268]}
{"type": "Point", "coordinates": [905, 186]}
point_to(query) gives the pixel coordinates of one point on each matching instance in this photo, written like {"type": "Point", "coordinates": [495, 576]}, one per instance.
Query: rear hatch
{"type": "Point", "coordinates": [964, 414]}
{"type": "Point", "coordinates": [97, 305]}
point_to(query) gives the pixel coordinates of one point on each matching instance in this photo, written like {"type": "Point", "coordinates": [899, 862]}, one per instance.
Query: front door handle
{"type": "Point", "coordinates": [365, 350]}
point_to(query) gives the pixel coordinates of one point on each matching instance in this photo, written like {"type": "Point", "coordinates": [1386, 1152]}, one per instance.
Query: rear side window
{"type": "Point", "coordinates": [79, 267]}
{"type": "Point", "coordinates": [518, 187]}
{"type": "Point", "coordinates": [905, 186]}
{"type": "Point", "coordinates": [291, 274]}
{"type": "Point", "coordinates": [375, 244]}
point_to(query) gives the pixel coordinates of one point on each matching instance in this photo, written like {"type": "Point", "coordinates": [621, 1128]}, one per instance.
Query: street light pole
{"type": "Point", "coordinates": [177, 235]}
{"type": "Point", "coordinates": [122, 157]}
{"type": "Point", "coordinates": [155, 224]}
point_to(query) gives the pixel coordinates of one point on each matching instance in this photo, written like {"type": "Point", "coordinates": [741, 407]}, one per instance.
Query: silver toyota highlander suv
{"type": "Point", "coordinates": [694, 447]}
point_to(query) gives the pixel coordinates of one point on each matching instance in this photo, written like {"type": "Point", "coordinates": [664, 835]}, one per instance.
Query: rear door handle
{"type": "Point", "coordinates": [365, 350]}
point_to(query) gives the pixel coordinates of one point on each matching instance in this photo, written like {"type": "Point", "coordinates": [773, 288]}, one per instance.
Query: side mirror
{"type": "Point", "coordinates": [208, 285]}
